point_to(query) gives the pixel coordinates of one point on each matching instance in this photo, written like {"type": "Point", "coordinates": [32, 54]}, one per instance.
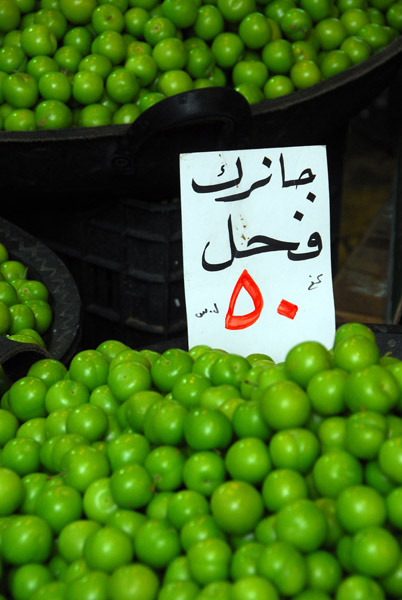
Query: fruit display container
{"type": "Point", "coordinates": [43, 264]}
{"type": "Point", "coordinates": [87, 165]}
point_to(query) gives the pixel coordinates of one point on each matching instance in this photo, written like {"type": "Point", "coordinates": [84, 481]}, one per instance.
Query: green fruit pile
{"type": "Point", "coordinates": [25, 310]}
{"type": "Point", "coordinates": [202, 474]}
{"type": "Point", "coordinates": [86, 63]}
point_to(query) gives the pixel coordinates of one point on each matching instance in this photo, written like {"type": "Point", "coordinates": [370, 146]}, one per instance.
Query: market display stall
{"type": "Point", "coordinates": [135, 467]}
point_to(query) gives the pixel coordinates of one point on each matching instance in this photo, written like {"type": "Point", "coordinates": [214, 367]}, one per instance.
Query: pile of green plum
{"type": "Point", "coordinates": [86, 63]}
{"type": "Point", "coordinates": [25, 310]}
{"type": "Point", "coordinates": [202, 474]}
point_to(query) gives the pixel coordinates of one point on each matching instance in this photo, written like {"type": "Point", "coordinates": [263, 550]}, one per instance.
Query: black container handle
{"type": "Point", "coordinates": [221, 104]}
{"type": "Point", "coordinates": [17, 357]}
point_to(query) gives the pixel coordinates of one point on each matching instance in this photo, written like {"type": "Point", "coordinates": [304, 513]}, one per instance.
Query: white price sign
{"type": "Point", "coordinates": [256, 249]}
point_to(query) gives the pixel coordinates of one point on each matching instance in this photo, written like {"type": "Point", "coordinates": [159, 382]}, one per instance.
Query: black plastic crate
{"type": "Point", "coordinates": [127, 264]}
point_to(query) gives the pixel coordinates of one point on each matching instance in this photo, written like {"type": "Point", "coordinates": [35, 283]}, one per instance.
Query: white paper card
{"type": "Point", "coordinates": [256, 249]}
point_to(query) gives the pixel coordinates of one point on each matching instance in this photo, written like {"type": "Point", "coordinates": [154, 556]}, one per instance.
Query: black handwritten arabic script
{"type": "Point", "coordinates": [266, 244]}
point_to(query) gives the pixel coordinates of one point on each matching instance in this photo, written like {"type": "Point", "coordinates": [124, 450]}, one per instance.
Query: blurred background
{"type": "Point", "coordinates": [367, 283]}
